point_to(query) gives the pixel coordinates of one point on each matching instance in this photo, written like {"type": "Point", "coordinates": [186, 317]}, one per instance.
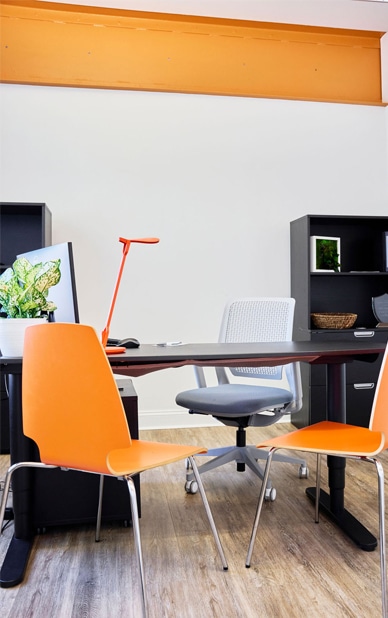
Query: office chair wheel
{"type": "Point", "coordinates": [191, 487]}
{"type": "Point", "coordinates": [303, 472]}
{"type": "Point", "coordinates": [270, 494]}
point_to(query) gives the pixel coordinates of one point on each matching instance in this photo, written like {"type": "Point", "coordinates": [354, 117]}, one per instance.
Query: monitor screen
{"type": "Point", "coordinates": [64, 294]}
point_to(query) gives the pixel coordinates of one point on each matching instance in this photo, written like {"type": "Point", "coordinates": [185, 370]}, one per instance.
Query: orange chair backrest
{"type": "Point", "coordinates": [379, 415]}
{"type": "Point", "coordinates": [71, 405]}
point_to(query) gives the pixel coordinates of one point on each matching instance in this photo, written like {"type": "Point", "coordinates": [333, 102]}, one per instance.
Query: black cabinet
{"type": "Point", "coordinates": [23, 227]}
{"type": "Point", "coordinates": [362, 276]}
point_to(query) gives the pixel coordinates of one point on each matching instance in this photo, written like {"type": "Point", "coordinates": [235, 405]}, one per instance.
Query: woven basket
{"type": "Point", "coordinates": [333, 320]}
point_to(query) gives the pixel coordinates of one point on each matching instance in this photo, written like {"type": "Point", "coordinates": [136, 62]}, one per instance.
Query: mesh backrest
{"type": "Point", "coordinates": [253, 320]}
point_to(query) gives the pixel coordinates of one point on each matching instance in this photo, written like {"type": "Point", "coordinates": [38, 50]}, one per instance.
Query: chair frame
{"type": "Point", "coordinates": [381, 502]}
{"type": "Point", "coordinates": [87, 430]}
{"type": "Point", "coordinates": [341, 440]}
{"type": "Point", "coordinates": [134, 512]}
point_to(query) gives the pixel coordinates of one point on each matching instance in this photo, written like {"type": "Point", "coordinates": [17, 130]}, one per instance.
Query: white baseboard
{"type": "Point", "coordinates": [178, 419]}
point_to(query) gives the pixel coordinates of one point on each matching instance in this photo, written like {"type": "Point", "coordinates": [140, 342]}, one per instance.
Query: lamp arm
{"type": "Point", "coordinates": [126, 246]}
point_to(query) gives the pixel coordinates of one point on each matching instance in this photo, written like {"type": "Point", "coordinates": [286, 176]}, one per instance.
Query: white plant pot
{"type": "Point", "coordinates": [12, 334]}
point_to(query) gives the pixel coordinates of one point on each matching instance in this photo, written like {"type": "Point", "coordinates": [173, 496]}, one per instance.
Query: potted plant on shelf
{"type": "Point", "coordinates": [325, 254]}
{"type": "Point", "coordinates": [327, 257]}
{"type": "Point", "coordinates": [24, 300]}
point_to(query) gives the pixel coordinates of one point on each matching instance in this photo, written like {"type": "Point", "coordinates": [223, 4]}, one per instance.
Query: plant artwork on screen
{"type": "Point", "coordinates": [64, 294]}
{"type": "Point", "coordinates": [24, 288]}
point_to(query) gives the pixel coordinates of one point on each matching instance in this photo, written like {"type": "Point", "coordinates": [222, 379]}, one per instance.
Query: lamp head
{"type": "Point", "coordinates": [148, 241]}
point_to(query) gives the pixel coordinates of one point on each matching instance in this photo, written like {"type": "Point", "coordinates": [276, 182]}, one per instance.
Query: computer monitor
{"type": "Point", "coordinates": [64, 294]}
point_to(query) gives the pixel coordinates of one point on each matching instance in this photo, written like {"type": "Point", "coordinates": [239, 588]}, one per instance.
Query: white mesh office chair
{"type": "Point", "coordinates": [245, 405]}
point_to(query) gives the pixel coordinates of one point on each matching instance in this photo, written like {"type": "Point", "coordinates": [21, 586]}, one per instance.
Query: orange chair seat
{"type": "Point", "coordinates": [331, 438]}
{"type": "Point", "coordinates": [143, 455]}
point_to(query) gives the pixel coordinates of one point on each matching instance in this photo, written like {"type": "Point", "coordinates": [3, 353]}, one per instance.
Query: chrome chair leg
{"type": "Point", "coordinates": [259, 507]}
{"type": "Point", "coordinates": [383, 561]}
{"type": "Point", "coordinates": [136, 535]}
{"type": "Point", "coordinates": [318, 488]}
{"type": "Point", "coordinates": [208, 512]}
{"type": "Point", "coordinates": [99, 510]}
{"type": "Point", "coordinates": [7, 482]}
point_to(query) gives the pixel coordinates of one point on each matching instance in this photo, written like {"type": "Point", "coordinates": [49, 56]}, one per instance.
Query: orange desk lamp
{"type": "Point", "coordinates": [105, 333]}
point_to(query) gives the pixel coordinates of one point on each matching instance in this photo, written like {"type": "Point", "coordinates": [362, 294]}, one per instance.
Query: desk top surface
{"type": "Point", "coordinates": [148, 358]}
{"type": "Point", "coordinates": [206, 353]}
{"type": "Point", "coordinates": [221, 351]}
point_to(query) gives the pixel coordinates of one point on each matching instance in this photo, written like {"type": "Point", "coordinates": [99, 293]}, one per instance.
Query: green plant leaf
{"type": "Point", "coordinates": [48, 275]}
{"type": "Point", "coordinates": [24, 288]}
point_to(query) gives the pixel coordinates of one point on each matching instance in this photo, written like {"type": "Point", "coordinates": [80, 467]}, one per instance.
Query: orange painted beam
{"type": "Point", "coordinates": [69, 45]}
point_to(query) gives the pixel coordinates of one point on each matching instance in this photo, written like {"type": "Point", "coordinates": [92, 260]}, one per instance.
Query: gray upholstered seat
{"type": "Point", "coordinates": [235, 400]}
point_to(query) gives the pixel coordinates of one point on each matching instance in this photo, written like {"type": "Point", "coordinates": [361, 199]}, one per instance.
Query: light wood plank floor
{"type": "Point", "coordinates": [298, 568]}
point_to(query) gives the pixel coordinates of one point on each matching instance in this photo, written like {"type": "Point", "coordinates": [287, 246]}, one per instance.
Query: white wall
{"type": "Point", "coordinates": [218, 179]}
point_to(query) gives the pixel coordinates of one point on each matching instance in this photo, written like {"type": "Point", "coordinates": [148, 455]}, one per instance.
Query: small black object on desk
{"type": "Point", "coordinates": [129, 342]}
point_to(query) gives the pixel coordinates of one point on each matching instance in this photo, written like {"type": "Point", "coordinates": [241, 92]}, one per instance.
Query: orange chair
{"type": "Point", "coordinates": [342, 440]}
{"type": "Point", "coordinates": [73, 411]}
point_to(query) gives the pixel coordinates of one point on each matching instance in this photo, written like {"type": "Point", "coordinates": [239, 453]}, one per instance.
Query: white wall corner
{"type": "Point", "coordinates": [384, 67]}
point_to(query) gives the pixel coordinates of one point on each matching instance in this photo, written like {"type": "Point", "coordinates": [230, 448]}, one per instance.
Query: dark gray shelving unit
{"type": "Point", "coordinates": [23, 227]}
{"type": "Point", "coordinates": [362, 276]}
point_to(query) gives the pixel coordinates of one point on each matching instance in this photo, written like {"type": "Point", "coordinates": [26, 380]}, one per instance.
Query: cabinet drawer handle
{"type": "Point", "coordinates": [364, 333]}
{"type": "Point", "coordinates": [364, 386]}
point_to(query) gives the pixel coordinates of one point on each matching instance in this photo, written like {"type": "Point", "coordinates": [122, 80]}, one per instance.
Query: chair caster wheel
{"type": "Point", "coordinates": [303, 472]}
{"type": "Point", "coordinates": [270, 494]}
{"type": "Point", "coordinates": [191, 487]}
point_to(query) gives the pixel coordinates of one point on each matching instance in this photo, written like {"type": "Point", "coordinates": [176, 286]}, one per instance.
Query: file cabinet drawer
{"type": "Point", "coordinates": [359, 401]}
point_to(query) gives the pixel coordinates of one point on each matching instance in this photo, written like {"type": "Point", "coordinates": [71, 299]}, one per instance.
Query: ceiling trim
{"type": "Point", "coordinates": [70, 45]}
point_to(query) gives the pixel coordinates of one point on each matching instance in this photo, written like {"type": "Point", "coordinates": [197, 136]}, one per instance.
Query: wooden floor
{"type": "Point", "coordinates": [298, 568]}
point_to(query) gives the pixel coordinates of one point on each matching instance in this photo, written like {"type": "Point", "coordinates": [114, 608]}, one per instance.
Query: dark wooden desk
{"type": "Point", "coordinates": [335, 355]}
{"type": "Point", "coordinates": [149, 358]}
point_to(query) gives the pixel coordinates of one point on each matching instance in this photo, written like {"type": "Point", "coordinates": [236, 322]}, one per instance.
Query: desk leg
{"type": "Point", "coordinates": [333, 504]}
{"type": "Point", "coordinates": [16, 558]}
